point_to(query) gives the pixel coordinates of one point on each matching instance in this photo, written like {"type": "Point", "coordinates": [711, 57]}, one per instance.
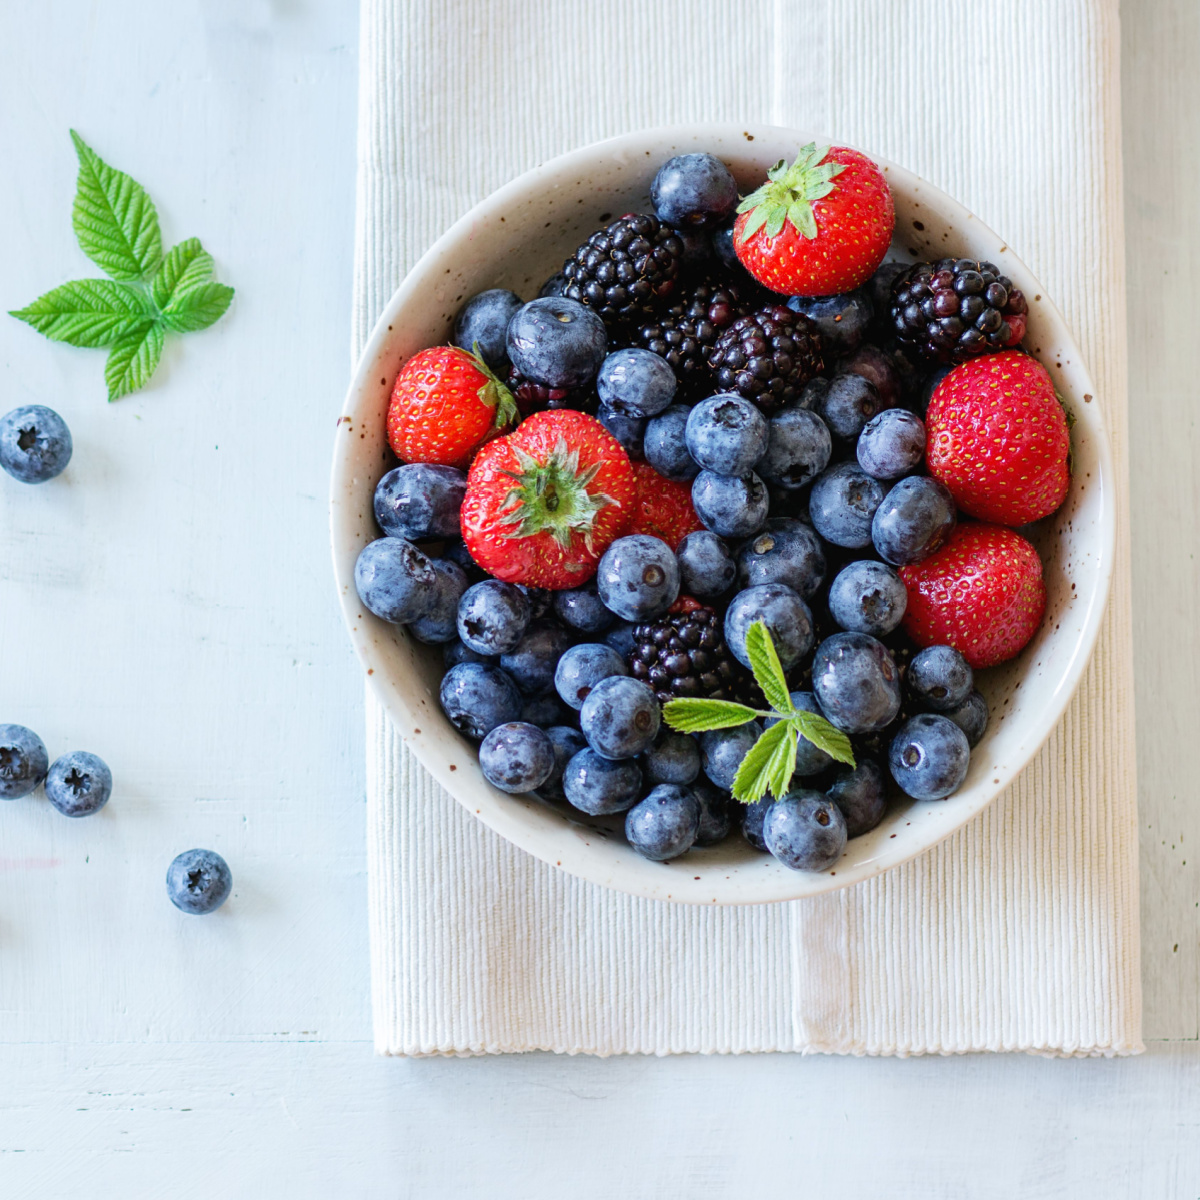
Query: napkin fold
{"type": "Point", "coordinates": [1021, 931]}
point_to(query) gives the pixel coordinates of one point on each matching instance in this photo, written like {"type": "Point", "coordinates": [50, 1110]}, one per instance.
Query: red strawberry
{"type": "Point", "coordinates": [819, 227]}
{"type": "Point", "coordinates": [543, 503]}
{"type": "Point", "coordinates": [996, 436]}
{"type": "Point", "coordinates": [446, 403]}
{"type": "Point", "coordinates": [981, 593]}
{"type": "Point", "coordinates": [663, 508]}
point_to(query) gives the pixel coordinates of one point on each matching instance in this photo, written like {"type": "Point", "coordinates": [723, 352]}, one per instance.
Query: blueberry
{"type": "Point", "coordinates": [78, 784]}
{"type": "Point", "coordinates": [722, 244]}
{"type": "Point", "coordinates": [805, 831]}
{"type": "Point", "coordinates": [929, 757]}
{"type": "Point", "coordinates": [556, 342]}
{"type": "Point", "coordinates": [674, 758]}
{"type": "Point", "coordinates": [198, 882]}
{"type": "Point", "coordinates": [971, 716]}
{"type": "Point", "coordinates": [726, 434]}
{"type": "Point", "coordinates": [455, 652]}
{"type": "Point", "coordinates": [841, 320]}
{"type": "Point", "coordinates": [629, 431]}
{"type": "Point", "coordinates": [914, 519]}
{"type": "Point", "coordinates": [457, 553]}
{"type": "Point", "coordinates": [716, 814]}
{"type": "Point", "coordinates": [395, 580]}
{"type": "Point", "coordinates": [532, 662]}
{"type": "Point", "coordinates": [849, 403]}
{"type": "Point", "coordinates": [665, 445]}
{"type": "Point", "coordinates": [35, 443]}
{"type": "Point", "coordinates": [786, 616]}
{"type": "Point", "coordinates": [581, 608]}
{"type": "Point", "coordinates": [722, 751]}
{"type": "Point", "coordinates": [621, 638]}
{"type": "Point", "coordinates": [939, 679]}
{"type": "Point", "coordinates": [880, 284]}
{"type": "Point", "coordinates": [891, 444]}
{"type": "Point", "coordinates": [798, 448]}
{"type": "Point", "coordinates": [697, 248]}
{"type": "Point", "coordinates": [842, 504]}
{"type": "Point", "coordinates": [419, 501]}
{"type": "Point", "coordinates": [620, 717]}
{"type": "Point", "coordinates": [868, 597]}
{"type": "Point", "coordinates": [732, 506]}
{"type": "Point", "coordinates": [635, 383]}
{"type": "Point", "coordinates": [753, 817]}
{"type": "Point", "coordinates": [706, 567]}
{"type": "Point", "coordinates": [440, 624]}
{"type": "Point", "coordinates": [599, 786]}
{"type": "Point", "coordinates": [582, 667]}
{"type": "Point", "coordinates": [477, 697]}
{"type": "Point", "coordinates": [787, 551]}
{"type": "Point", "coordinates": [856, 682]}
{"type": "Point", "coordinates": [810, 758]}
{"type": "Point", "coordinates": [638, 577]}
{"type": "Point", "coordinates": [566, 742]}
{"type": "Point", "coordinates": [861, 793]}
{"type": "Point", "coordinates": [483, 321]}
{"type": "Point", "coordinates": [665, 824]}
{"type": "Point", "coordinates": [516, 757]}
{"type": "Point", "coordinates": [556, 285]}
{"type": "Point", "coordinates": [693, 191]}
{"type": "Point", "coordinates": [544, 711]}
{"type": "Point", "coordinates": [23, 761]}
{"type": "Point", "coordinates": [877, 367]}
{"type": "Point", "coordinates": [492, 616]}
{"type": "Point", "coordinates": [928, 386]}
{"type": "Point", "coordinates": [812, 394]}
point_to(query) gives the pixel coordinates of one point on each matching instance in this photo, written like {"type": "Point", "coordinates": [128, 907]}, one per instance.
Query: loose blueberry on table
{"type": "Point", "coordinates": [737, 497]}
{"type": "Point", "coordinates": [199, 882]}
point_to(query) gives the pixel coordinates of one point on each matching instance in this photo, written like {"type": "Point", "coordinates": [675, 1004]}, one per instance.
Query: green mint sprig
{"type": "Point", "coordinates": [146, 295]}
{"type": "Point", "coordinates": [771, 761]}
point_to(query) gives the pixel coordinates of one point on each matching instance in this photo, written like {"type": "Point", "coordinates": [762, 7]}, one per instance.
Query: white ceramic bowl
{"type": "Point", "coordinates": [517, 238]}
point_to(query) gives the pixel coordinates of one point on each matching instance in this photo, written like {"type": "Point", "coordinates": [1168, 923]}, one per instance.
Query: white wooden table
{"type": "Point", "coordinates": [168, 605]}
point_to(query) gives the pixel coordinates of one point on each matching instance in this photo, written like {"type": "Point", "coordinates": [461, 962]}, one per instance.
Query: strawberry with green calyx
{"type": "Point", "coordinates": [770, 762]}
{"type": "Point", "coordinates": [543, 503]}
{"type": "Point", "coordinates": [819, 227]}
{"type": "Point", "coordinates": [445, 404]}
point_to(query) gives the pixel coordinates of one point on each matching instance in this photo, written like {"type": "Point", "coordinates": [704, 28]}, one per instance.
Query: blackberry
{"type": "Point", "coordinates": [956, 309]}
{"type": "Point", "coordinates": [767, 357]}
{"type": "Point", "coordinates": [622, 271]}
{"type": "Point", "coordinates": [686, 332]}
{"type": "Point", "coordinates": [533, 397]}
{"type": "Point", "coordinates": [684, 655]}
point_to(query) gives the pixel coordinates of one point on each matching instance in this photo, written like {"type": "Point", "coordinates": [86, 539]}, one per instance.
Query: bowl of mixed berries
{"type": "Point", "coordinates": [722, 515]}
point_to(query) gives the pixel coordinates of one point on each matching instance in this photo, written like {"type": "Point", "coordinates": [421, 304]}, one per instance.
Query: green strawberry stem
{"type": "Point", "coordinates": [494, 393]}
{"type": "Point", "coordinates": [789, 193]}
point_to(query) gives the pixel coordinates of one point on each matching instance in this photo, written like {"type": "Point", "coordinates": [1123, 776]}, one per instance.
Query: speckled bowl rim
{"type": "Point", "coordinates": [709, 876]}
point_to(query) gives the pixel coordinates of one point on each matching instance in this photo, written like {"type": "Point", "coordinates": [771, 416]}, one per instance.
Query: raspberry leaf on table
{"type": "Point", "coordinates": [700, 716]}
{"type": "Point", "coordinates": [768, 765]}
{"type": "Point", "coordinates": [147, 294]}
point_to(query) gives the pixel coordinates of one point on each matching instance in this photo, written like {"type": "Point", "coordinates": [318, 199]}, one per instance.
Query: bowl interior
{"type": "Point", "coordinates": [516, 239]}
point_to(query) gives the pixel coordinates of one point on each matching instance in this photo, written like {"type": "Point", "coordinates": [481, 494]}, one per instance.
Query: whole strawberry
{"type": "Point", "coordinates": [446, 403]}
{"type": "Point", "coordinates": [819, 227]}
{"type": "Point", "coordinates": [662, 507]}
{"type": "Point", "coordinates": [997, 437]}
{"type": "Point", "coordinates": [981, 593]}
{"type": "Point", "coordinates": [543, 503]}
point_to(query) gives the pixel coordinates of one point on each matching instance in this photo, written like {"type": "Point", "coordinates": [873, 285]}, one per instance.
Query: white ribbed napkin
{"type": "Point", "coordinates": [1020, 932]}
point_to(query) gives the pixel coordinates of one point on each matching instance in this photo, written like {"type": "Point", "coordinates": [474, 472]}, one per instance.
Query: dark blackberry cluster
{"type": "Point", "coordinates": [685, 333]}
{"type": "Point", "coordinates": [533, 397]}
{"type": "Point", "coordinates": [623, 271]}
{"type": "Point", "coordinates": [767, 356]}
{"type": "Point", "coordinates": [684, 655]}
{"type": "Point", "coordinates": [956, 309]}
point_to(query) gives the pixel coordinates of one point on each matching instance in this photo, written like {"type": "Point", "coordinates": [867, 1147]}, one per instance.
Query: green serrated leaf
{"type": "Point", "coordinates": [699, 716]}
{"type": "Point", "coordinates": [197, 307]}
{"type": "Point", "coordinates": [114, 218]}
{"type": "Point", "coordinates": [132, 360]}
{"type": "Point", "coordinates": [186, 265]}
{"type": "Point", "coordinates": [88, 312]}
{"type": "Point", "coordinates": [762, 763]}
{"type": "Point", "coordinates": [816, 729]}
{"type": "Point", "coordinates": [768, 671]}
{"type": "Point", "coordinates": [782, 767]}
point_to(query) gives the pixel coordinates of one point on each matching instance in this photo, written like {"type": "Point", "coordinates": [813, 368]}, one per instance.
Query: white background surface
{"type": "Point", "coordinates": [168, 604]}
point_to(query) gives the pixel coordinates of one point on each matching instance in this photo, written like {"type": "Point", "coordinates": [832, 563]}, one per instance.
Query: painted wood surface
{"type": "Point", "coordinates": [168, 605]}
